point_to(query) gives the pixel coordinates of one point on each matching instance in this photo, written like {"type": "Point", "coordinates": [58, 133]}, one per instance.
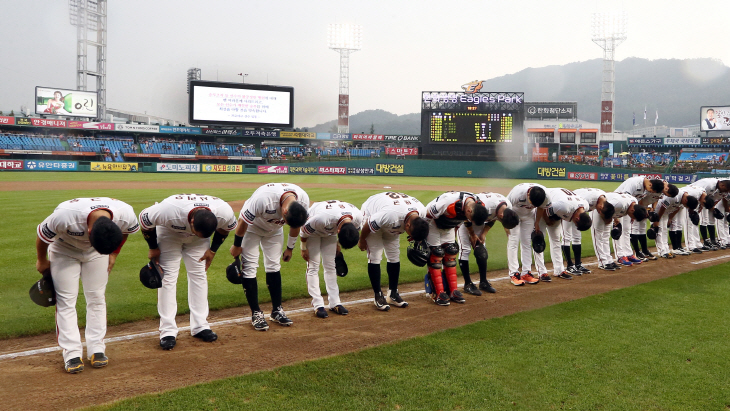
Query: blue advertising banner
{"type": "Point", "coordinates": [260, 133]}
{"type": "Point", "coordinates": [680, 178]}
{"type": "Point", "coordinates": [180, 130]}
{"type": "Point", "coordinates": [51, 165]}
{"type": "Point", "coordinates": [613, 176]}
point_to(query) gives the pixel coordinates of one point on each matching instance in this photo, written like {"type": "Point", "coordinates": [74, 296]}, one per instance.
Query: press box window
{"type": "Point", "coordinates": [567, 138]}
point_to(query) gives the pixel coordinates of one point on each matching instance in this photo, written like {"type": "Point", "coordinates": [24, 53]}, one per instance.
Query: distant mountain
{"type": "Point", "coordinates": [674, 88]}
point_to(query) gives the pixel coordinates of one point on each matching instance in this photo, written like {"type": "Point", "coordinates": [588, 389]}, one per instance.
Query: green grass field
{"type": "Point", "coordinates": [128, 300]}
{"type": "Point", "coordinates": [656, 346]}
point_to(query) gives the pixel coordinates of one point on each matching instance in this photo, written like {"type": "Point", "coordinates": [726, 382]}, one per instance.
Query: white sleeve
{"type": "Point", "coordinates": [128, 220]}
{"type": "Point", "coordinates": [250, 210]}
{"type": "Point", "coordinates": [311, 226]}
{"type": "Point", "coordinates": [151, 217]}
{"type": "Point", "coordinates": [226, 218]}
{"type": "Point", "coordinates": [378, 221]}
{"type": "Point", "coordinates": [48, 229]}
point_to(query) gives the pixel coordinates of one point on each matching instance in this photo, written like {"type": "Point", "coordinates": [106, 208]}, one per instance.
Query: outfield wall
{"type": "Point", "coordinates": [390, 167]}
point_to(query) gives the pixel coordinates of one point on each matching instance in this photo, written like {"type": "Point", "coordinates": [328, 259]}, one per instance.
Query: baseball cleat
{"type": "Point", "coordinates": [395, 299]}
{"type": "Point", "coordinates": [99, 360]}
{"type": "Point", "coordinates": [340, 309]}
{"type": "Point", "coordinates": [615, 266]}
{"type": "Point", "coordinates": [206, 335]}
{"type": "Point", "coordinates": [471, 288]}
{"type": "Point", "coordinates": [168, 343]}
{"type": "Point", "coordinates": [648, 255]}
{"type": "Point", "coordinates": [697, 251]}
{"type": "Point", "coordinates": [442, 299]}
{"type": "Point", "coordinates": [258, 321]}
{"type": "Point", "coordinates": [607, 267]}
{"type": "Point", "coordinates": [457, 297]}
{"type": "Point", "coordinates": [321, 312]}
{"type": "Point", "coordinates": [625, 261]}
{"type": "Point", "coordinates": [545, 278]}
{"type": "Point", "coordinates": [634, 259]}
{"type": "Point", "coordinates": [380, 303]}
{"type": "Point", "coordinates": [278, 316]}
{"type": "Point", "coordinates": [516, 279]}
{"type": "Point", "coordinates": [573, 270]}
{"type": "Point", "coordinates": [667, 255]}
{"type": "Point", "coordinates": [641, 256]}
{"type": "Point", "coordinates": [582, 269]}
{"type": "Point", "coordinates": [565, 276]}
{"type": "Point", "coordinates": [486, 286]}
{"type": "Point", "coordinates": [529, 279]}
{"type": "Point", "coordinates": [74, 365]}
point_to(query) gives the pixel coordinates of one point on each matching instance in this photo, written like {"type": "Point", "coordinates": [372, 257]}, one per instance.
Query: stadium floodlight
{"type": "Point", "coordinates": [608, 31]}
{"type": "Point", "coordinates": [90, 16]}
{"type": "Point", "coordinates": [344, 39]}
{"type": "Point", "coordinates": [194, 73]}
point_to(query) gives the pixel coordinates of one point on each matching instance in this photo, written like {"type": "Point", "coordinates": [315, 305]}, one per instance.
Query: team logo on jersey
{"type": "Point", "coordinates": [374, 226]}
{"type": "Point", "coordinates": [133, 228]}
{"type": "Point", "coordinates": [47, 232]}
{"type": "Point", "coordinates": [308, 228]}
{"type": "Point", "coordinates": [249, 215]}
{"type": "Point", "coordinates": [270, 211]}
{"type": "Point", "coordinates": [177, 227]}
{"type": "Point", "coordinates": [472, 87]}
{"type": "Point", "coordinates": [201, 205]}
{"type": "Point", "coordinates": [146, 220]}
{"type": "Point", "coordinates": [75, 233]}
{"type": "Point", "coordinates": [98, 206]}
{"type": "Point", "coordinates": [233, 225]}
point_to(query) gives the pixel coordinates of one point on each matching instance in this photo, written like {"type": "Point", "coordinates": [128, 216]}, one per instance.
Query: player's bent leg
{"type": "Point", "coordinates": [193, 249]}
{"type": "Point", "coordinates": [66, 272]}
{"type": "Point", "coordinates": [94, 278]}
{"type": "Point", "coordinates": [313, 246]}
{"type": "Point", "coordinates": [435, 265]}
{"type": "Point", "coordinates": [329, 249]}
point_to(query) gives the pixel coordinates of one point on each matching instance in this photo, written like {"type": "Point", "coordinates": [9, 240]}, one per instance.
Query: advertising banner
{"type": "Point", "coordinates": [297, 134]}
{"type": "Point", "coordinates": [332, 170]}
{"type": "Point", "coordinates": [90, 125]}
{"type": "Point", "coordinates": [360, 170]}
{"type": "Point", "coordinates": [222, 168]}
{"type": "Point", "coordinates": [51, 165]}
{"type": "Point", "coordinates": [402, 138]}
{"type": "Point", "coordinates": [368, 137]}
{"type": "Point", "coordinates": [333, 136]}
{"type": "Point", "coordinates": [273, 169]}
{"type": "Point", "coordinates": [23, 121]}
{"type": "Point", "coordinates": [180, 130]}
{"type": "Point", "coordinates": [645, 140]}
{"type": "Point", "coordinates": [682, 140]}
{"type": "Point", "coordinates": [106, 166]}
{"type": "Point", "coordinates": [222, 132]}
{"type": "Point", "coordinates": [302, 170]}
{"type": "Point", "coordinates": [7, 120]}
{"type": "Point", "coordinates": [138, 128]}
{"type": "Point", "coordinates": [390, 168]}
{"type": "Point", "coordinates": [714, 118]}
{"type": "Point", "coordinates": [575, 175]}
{"type": "Point", "coordinates": [402, 151]}
{"type": "Point", "coordinates": [11, 165]}
{"type": "Point", "coordinates": [47, 122]}
{"type": "Point", "coordinates": [607, 117]}
{"type": "Point", "coordinates": [551, 172]}
{"type": "Point", "coordinates": [613, 176]}
{"type": "Point", "coordinates": [547, 110]}
{"type": "Point", "coordinates": [260, 133]}
{"type": "Point", "coordinates": [651, 176]}
{"type": "Point", "coordinates": [715, 140]}
{"type": "Point", "coordinates": [680, 178]}
{"type": "Point", "coordinates": [343, 110]}
{"type": "Point", "coordinates": [60, 102]}
{"type": "Point", "coordinates": [178, 167]}
{"type": "Point", "coordinates": [540, 154]}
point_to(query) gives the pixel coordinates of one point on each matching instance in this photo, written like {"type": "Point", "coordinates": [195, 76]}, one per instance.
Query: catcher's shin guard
{"type": "Point", "coordinates": [434, 269]}
{"type": "Point", "coordinates": [450, 271]}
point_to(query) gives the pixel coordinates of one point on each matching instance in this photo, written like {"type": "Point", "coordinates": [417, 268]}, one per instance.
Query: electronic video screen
{"type": "Point", "coordinates": [457, 127]}
{"type": "Point", "coordinates": [64, 102]}
{"type": "Point", "coordinates": [715, 118]}
{"type": "Point", "coordinates": [234, 104]}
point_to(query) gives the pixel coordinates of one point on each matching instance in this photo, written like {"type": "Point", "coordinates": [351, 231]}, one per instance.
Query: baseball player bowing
{"type": "Point", "coordinates": [596, 200]}
{"type": "Point", "coordinates": [647, 192]}
{"type": "Point", "coordinates": [177, 229]}
{"type": "Point", "coordinates": [444, 214]}
{"type": "Point", "coordinates": [525, 197]}
{"type": "Point", "coordinates": [669, 222]}
{"type": "Point", "coordinates": [714, 189]}
{"type": "Point", "coordinates": [498, 209]}
{"type": "Point", "coordinates": [81, 240]}
{"type": "Point", "coordinates": [260, 224]}
{"type": "Point", "coordinates": [568, 207]}
{"type": "Point", "coordinates": [387, 216]}
{"type": "Point", "coordinates": [329, 223]}
{"type": "Point", "coordinates": [624, 205]}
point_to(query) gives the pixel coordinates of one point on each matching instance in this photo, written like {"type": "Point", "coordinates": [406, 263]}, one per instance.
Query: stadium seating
{"type": "Point", "coordinates": [101, 145]}
{"type": "Point", "coordinates": [210, 149]}
{"type": "Point", "coordinates": [166, 147]}
{"type": "Point", "coordinates": [21, 142]}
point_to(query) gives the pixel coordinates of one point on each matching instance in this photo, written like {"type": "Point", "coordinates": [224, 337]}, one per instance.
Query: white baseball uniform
{"type": "Point", "coordinates": [601, 232]}
{"type": "Point", "coordinates": [320, 230]}
{"type": "Point", "coordinates": [634, 186]}
{"type": "Point", "coordinates": [564, 204]}
{"type": "Point", "coordinates": [385, 214]}
{"type": "Point", "coordinates": [672, 205]}
{"type": "Point", "coordinates": [522, 234]}
{"type": "Point", "coordinates": [444, 214]}
{"type": "Point", "coordinates": [709, 186]}
{"type": "Point", "coordinates": [571, 235]}
{"type": "Point", "coordinates": [492, 202]}
{"type": "Point", "coordinates": [72, 258]}
{"type": "Point", "coordinates": [171, 219]}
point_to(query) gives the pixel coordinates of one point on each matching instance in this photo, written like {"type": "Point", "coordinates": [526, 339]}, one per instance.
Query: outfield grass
{"type": "Point", "coordinates": [128, 300]}
{"type": "Point", "coordinates": [656, 346]}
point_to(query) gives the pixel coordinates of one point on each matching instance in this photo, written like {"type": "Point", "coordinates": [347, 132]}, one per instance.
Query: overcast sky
{"type": "Point", "coordinates": [408, 46]}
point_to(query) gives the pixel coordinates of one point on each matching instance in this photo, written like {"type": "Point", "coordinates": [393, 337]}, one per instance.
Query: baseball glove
{"type": "Point", "coordinates": [42, 291]}
{"type": "Point", "coordinates": [717, 214]}
{"type": "Point", "coordinates": [234, 271]}
{"type": "Point", "coordinates": [151, 275]}
{"type": "Point", "coordinates": [694, 216]}
{"type": "Point", "coordinates": [616, 231]}
{"type": "Point", "coordinates": [480, 252]}
{"type": "Point", "coordinates": [653, 216]}
{"type": "Point", "coordinates": [538, 241]}
{"type": "Point", "coordinates": [340, 265]}
{"type": "Point", "coordinates": [652, 232]}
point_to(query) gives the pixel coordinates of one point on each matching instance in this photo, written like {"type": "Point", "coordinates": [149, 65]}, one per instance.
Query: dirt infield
{"type": "Point", "coordinates": [138, 366]}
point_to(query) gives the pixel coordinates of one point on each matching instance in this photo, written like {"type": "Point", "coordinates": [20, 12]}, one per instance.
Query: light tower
{"type": "Point", "coordinates": [609, 30]}
{"type": "Point", "coordinates": [344, 39]}
{"type": "Point", "coordinates": [90, 16]}
{"type": "Point", "coordinates": [193, 74]}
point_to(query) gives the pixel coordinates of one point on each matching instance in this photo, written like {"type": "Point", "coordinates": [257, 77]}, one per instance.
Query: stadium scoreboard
{"type": "Point", "coordinates": [463, 123]}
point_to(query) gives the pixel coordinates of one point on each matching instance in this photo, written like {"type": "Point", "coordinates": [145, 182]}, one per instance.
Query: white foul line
{"type": "Point", "coordinates": [707, 260]}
